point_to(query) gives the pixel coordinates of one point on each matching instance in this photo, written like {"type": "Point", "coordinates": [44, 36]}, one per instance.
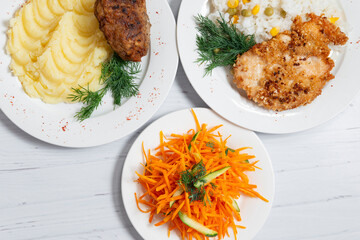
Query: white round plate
{"type": "Point", "coordinates": [222, 96]}
{"type": "Point", "coordinates": [253, 211]}
{"type": "Point", "coordinates": [55, 124]}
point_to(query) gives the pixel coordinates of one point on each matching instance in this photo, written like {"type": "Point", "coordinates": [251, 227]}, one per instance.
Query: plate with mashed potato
{"type": "Point", "coordinates": [55, 81]}
{"type": "Point", "coordinates": [272, 66]}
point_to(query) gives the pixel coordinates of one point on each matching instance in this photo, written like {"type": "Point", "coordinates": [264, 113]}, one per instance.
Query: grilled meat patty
{"type": "Point", "coordinates": [126, 26]}
{"type": "Point", "coordinates": [291, 69]}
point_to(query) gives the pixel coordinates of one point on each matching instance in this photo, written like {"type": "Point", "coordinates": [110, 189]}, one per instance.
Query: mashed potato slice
{"type": "Point", "coordinates": [56, 45]}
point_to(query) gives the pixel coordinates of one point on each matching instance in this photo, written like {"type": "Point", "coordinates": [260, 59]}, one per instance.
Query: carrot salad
{"type": "Point", "coordinates": [192, 181]}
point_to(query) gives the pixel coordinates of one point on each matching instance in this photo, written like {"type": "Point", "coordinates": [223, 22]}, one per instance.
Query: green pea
{"type": "Point", "coordinates": [269, 11]}
{"type": "Point", "coordinates": [245, 13]}
{"type": "Point", "coordinates": [232, 11]}
{"type": "Point", "coordinates": [283, 13]}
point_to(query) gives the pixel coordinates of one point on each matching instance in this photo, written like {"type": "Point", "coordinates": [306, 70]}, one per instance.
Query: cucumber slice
{"type": "Point", "coordinates": [193, 139]}
{"type": "Point", "coordinates": [197, 226]}
{"type": "Point", "coordinates": [198, 166]}
{"type": "Point", "coordinates": [177, 193]}
{"type": "Point", "coordinates": [211, 176]}
{"type": "Point", "coordinates": [235, 205]}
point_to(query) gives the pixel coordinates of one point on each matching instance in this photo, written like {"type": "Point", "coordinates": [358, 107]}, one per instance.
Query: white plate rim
{"type": "Point", "coordinates": [291, 121]}
{"type": "Point", "coordinates": [67, 132]}
{"type": "Point", "coordinates": [128, 185]}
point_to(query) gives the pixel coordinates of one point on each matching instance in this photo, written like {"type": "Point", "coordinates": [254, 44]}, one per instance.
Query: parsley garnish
{"type": "Point", "coordinates": [220, 44]}
{"type": "Point", "coordinates": [117, 76]}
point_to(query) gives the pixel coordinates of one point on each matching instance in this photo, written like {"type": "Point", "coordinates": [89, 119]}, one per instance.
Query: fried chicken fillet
{"type": "Point", "coordinates": [126, 26]}
{"type": "Point", "coordinates": [291, 69]}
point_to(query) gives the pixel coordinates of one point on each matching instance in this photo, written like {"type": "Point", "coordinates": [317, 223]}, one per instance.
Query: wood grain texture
{"type": "Point", "coordinates": [53, 193]}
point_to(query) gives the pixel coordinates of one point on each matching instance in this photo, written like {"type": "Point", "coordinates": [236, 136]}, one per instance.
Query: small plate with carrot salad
{"type": "Point", "coordinates": [194, 175]}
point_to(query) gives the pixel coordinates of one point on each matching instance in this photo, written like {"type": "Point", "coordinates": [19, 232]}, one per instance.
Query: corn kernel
{"type": "Point", "coordinates": [334, 19]}
{"type": "Point", "coordinates": [246, 1]}
{"type": "Point", "coordinates": [233, 3]}
{"type": "Point", "coordinates": [235, 19]}
{"type": "Point", "coordinates": [274, 31]}
{"type": "Point", "coordinates": [256, 9]}
{"type": "Point", "coordinates": [216, 50]}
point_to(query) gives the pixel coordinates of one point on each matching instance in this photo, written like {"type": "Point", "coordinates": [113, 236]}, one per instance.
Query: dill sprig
{"type": "Point", "coordinates": [189, 177]}
{"type": "Point", "coordinates": [91, 99]}
{"type": "Point", "coordinates": [210, 145]}
{"type": "Point", "coordinates": [220, 44]}
{"type": "Point", "coordinates": [227, 151]}
{"type": "Point", "coordinates": [117, 76]}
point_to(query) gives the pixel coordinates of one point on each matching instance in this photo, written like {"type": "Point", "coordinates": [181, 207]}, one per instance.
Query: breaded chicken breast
{"type": "Point", "coordinates": [291, 69]}
{"type": "Point", "coordinates": [126, 26]}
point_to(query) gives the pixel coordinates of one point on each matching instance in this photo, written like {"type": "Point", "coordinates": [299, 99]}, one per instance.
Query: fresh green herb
{"type": "Point", "coordinates": [189, 177]}
{"type": "Point", "coordinates": [117, 76]}
{"type": "Point", "coordinates": [167, 214]}
{"type": "Point", "coordinates": [220, 44]}
{"type": "Point", "coordinates": [213, 185]}
{"type": "Point", "coordinates": [227, 151]}
{"type": "Point", "coordinates": [193, 139]}
{"type": "Point", "coordinates": [91, 99]}
{"type": "Point", "coordinates": [198, 167]}
{"type": "Point", "coordinates": [210, 145]}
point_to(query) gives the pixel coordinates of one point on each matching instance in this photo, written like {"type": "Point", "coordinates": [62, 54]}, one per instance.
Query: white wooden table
{"type": "Point", "coordinates": [48, 192]}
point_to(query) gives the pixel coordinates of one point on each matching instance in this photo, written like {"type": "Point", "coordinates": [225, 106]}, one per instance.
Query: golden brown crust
{"type": "Point", "coordinates": [126, 26]}
{"type": "Point", "coordinates": [291, 69]}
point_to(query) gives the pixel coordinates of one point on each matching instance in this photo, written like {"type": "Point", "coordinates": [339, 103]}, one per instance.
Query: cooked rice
{"type": "Point", "coordinates": [260, 24]}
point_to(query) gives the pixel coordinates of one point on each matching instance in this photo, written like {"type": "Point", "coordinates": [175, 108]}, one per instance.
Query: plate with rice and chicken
{"type": "Point", "coordinates": [271, 66]}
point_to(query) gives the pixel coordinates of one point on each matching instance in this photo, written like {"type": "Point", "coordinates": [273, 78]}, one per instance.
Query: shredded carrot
{"type": "Point", "coordinates": [187, 202]}
{"type": "Point", "coordinates": [178, 153]}
{"type": "Point", "coordinates": [137, 203]}
{"type": "Point", "coordinates": [196, 120]}
{"type": "Point", "coordinates": [174, 215]}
